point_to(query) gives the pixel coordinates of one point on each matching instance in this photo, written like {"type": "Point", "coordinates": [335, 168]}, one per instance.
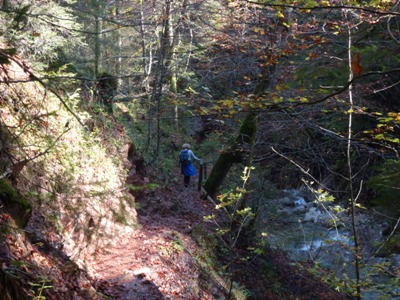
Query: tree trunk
{"type": "Point", "coordinates": [236, 153]}
{"type": "Point", "coordinates": [163, 70]}
{"type": "Point", "coordinates": [147, 54]}
{"type": "Point", "coordinates": [171, 65]}
{"type": "Point", "coordinates": [240, 150]}
{"type": "Point", "coordinates": [177, 43]}
{"type": "Point", "coordinates": [353, 200]}
{"type": "Point", "coordinates": [118, 66]}
{"type": "Point", "coordinates": [159, 80]}
{"type": "Point", "coordinates": [97, 46]}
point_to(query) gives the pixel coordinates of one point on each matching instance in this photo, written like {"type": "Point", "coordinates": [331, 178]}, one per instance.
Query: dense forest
{"type": "Point", "coordinates": [292, 106]}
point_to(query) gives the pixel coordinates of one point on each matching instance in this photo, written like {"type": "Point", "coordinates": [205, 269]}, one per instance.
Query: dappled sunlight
{"type": "Point", "coordinates": [161, 254]}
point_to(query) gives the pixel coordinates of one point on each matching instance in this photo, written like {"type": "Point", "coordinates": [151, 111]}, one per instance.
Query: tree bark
{"type": "Point", "coordinates": [97, 46]}
{"type": "Point", "coordinates": [236, 153]}
{"type": "Point", "coordinates": [147, 52]}
{"type": "Point", "coordinates": [240, 150]}
{"type": "Point", "coordinates": [353, 200]}
{"type": "Point", "coordinates": [159, 80]}
{"type": "Point", "coordinates": [118, 66]}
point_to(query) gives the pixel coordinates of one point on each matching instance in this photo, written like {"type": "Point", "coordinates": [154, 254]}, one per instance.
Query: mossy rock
{"type": "Point", "coordinates": [17, 205]}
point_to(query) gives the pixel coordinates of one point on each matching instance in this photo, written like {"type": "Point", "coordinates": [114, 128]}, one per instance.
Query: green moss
{"type": "Point", "coordinates": [219, 172]}
{"type": "Point", "coordinates": [17, 205]}
{"type": "Point", "coordinates": [119, 217]}
{"type": "Point", "coordinates": [385, 185]}
{"type": "Point", "coordinates": [6, 188]}
{"type": "Point", "coordinates": [393, 245]}
{"type": "Point", "coordinates": [236, 153]}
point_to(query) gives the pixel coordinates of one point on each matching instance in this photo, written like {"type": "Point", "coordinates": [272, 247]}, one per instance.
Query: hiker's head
{"type": "Point", "coordinates": [186, 146]}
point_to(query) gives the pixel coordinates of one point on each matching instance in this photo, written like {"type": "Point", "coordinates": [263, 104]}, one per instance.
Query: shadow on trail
{"type": "Point", "coordinates": [142, 289]}
{"type": "Point", "coordinates": [175, 207]}
{"type": "Point", "coordinates": [132, 286]}
{"type": "Point", "coordinates": [157, 261]}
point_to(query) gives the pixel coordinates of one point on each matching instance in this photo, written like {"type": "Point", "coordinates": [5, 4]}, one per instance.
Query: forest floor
{"type": "Point", "coordinates": [162, 259]}
{"type": "Point", "coordinates": [157, 261]}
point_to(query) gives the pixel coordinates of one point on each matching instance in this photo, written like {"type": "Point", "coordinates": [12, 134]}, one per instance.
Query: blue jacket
{"type": "Point", "coordinates": [189, 170]}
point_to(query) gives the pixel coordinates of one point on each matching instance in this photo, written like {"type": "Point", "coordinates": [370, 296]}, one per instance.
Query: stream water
{"type": "Point", "coordinates": [307, 230]}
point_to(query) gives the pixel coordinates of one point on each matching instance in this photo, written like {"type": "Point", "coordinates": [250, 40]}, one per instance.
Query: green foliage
{"type": "Point", "coordinates": [231, 202]}
{"type": "Point", "coordinates": [210, 147]}
{"type": "Point", "coordinates": [81, 170]}
{"type": "Point", "coordinates": [393, 244]}
{"type": "Point", "coordinates": [340, 284]}
{"type": "Point", "coordinates": [206, 256]}
{"type": "Point", "coordinates": [15, 202]}
{"type": "Point", "coordinates": [386, 129]}
{"type": "Point", "coordinates": [237, 218]}
{"type": "Point", "coordinates": [107, 86]}
{"type": "Point", "coordinates": [40, 288]}
{"type": "Point", "coordinates": [20, 18]}
{"type": "Point", "coordinates": [269, 269]}
{"type": "Point", "coordinates": [5, 53]}
{"type": "Point", "coordinates": [150, 186]}
{"type": "Point", "coordinates": [173, 132]}
{"type": "Point", "coordinates": [42, 31]}
{"type": "Point", "coordinates": [386, 186]}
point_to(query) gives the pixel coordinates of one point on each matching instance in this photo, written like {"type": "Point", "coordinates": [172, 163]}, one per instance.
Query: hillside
{"type": "Point", "coordinates": [70, 227]}
{"type": "Point", "coordinates": [173, 256]}
{"type": "Point", "coordinates": [293, 109]}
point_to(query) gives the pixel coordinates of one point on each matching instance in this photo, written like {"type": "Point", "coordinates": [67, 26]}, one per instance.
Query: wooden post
{"type": "Point", "coordinates": [200, 177]}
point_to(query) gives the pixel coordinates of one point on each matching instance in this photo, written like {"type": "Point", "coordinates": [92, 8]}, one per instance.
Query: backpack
{"type": "Point", "coordinates": [184, 157]}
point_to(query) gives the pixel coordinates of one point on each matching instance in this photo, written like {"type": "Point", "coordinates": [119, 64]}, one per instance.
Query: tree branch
{"type": "Point", "coordinates": [35, 78]}
{"type": "Point", "coordinates": [297, 7]}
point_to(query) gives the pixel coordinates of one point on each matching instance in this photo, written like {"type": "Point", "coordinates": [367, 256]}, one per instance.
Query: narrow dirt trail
{"type": "Point", "coordinates": [158, 259]}
{"type": "Point", "coordinates": [161, 260]}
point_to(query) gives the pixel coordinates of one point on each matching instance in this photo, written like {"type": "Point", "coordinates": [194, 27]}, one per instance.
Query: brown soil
{"type": "Point", "coordinates": [158, 260]}
{"type": "Point", "coordinates": [171, 255]}
{"type": "Point", "coordinates": [161, 260]}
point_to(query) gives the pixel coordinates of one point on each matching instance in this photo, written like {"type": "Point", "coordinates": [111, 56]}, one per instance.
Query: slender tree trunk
{"type": "Point", "coordinates": [163, 69]}
{"type": "Point", "coordinates": [147, 57]}
{"type": "Point", "coordinates": [159, 78]}
{"type": "Point", "coordinates": [177, 43]}
{"type": "Point", "coordinates": [357, 254]}
{"type": "Point", "coordinates": [97, 45]}
{"type": "Point", "coordinates": [118, 67]}
{"type": "Point", "coordinates": [97, 9]}
{"type": "Point", "coordinates": [147, 69]}
{"type": "Point", "coordinates": [171, 65]}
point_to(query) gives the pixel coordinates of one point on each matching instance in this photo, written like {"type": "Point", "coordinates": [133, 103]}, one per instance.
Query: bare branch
{"type": "Point", "coordinates": [299, 7]}
{"type": "Point", "coordinates": [35, 78]}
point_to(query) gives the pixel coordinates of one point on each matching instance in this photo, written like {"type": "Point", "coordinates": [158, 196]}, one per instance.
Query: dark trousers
{"type": "Point", "coordinates": [186, 180]}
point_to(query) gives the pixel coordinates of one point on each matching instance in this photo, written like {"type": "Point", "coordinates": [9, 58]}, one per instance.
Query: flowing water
{"type": "Point", "coordinates": [320, 232]}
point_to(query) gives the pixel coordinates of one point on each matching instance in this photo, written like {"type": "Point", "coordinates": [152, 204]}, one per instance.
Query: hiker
{"type": "Point", "coordinates": [186, 156]}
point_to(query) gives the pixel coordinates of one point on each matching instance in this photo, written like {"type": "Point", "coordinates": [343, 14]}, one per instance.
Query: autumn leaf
{"type": "Point", "coordinates": [356, 68]}
{"type": "Point", "coordinates": [280, 14]}
{"type": "Point", "coordinates": [303, 100]}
